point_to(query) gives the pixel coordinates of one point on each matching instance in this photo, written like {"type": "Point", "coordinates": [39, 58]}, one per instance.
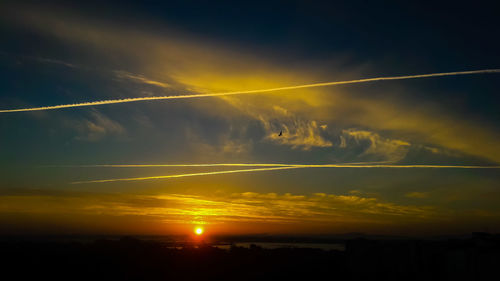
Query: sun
{"type": "Point", "coordinates": [198, 231]}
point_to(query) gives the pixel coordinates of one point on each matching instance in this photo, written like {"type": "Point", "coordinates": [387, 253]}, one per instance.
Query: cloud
{"type": "Point", "coordinates": [140, 79]}
{"type": "Point", "coordinates": [227, 142]}
{"type": "Point", "coordinates": [202, 68]}
{"type": "Point", "coordinates": [222, 208]}
{"type": "Point", "coordinates": [96, 127]}
{"type": "Point", "coordinates": [419, 195]}
{"type": "Point", "coordinates": [389, 149]}
{"type": "Point", "coordinates": [296, 133]}
{"type": "Point", "coordinates": [54, 61]}
{"type": "Point", "coordinates": [256, 91]}
{"type": "Point", "coordinates": [234, 147]}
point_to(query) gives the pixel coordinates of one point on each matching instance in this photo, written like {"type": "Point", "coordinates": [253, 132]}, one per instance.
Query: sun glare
{"type": "Point", "coordinates": [198, 231]}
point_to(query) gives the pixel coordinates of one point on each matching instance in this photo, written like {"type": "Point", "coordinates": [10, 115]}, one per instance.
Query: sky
{"type": "Point", "coordinates": [398, 155]}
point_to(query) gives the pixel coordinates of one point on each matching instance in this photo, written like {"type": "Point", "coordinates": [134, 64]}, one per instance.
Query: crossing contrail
{"type": "Point", "coordinates": [189, 175]}
{"type": "Point", "coordinates": [343, 165]}
{"type": "Point", "coordinates": [269, 167]}
{"type": "Point", "coordinates": [324, 84]}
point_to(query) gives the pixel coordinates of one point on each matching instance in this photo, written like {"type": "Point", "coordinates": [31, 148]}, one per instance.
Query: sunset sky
{"type": "Point", "coordinates": [370, 156]}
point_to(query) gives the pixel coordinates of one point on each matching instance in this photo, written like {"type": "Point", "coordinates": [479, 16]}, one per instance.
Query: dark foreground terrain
{"type": "Point", "coordinates": [473, 258]}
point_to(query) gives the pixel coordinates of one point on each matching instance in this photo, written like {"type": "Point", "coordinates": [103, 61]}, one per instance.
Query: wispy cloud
{"type": "Point", "coordinates": [241, 212]}
{"type": "Point", "coordinates": [195, 65]}
{"type": "Point", "coordinates": [140, 79]}
{"type": "Point", "coordinates": [392, 150]}
{"type": "Point", "coordinates": [42, 60]}
{"type": "Point", "coordinates": [221, 208]}
{"type": "Point", "coordinates": [297, 134]}
{"type": "Point", "coordinates": [55, 61]}
{"type": "Point", "coordinates": [96, 127]}
{"type": "Point", "coordinates": [258, 91]}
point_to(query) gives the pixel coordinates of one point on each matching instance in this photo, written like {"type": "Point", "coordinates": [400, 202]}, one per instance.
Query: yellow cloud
{"type": "Point", "coordinates": [241, 212]}
{"type": "Point", "coordinates": [236, 207]}
{"type": "Point", "coordinates": [207, 67]}
{"type": "Point", "coordinates": [140, 79]}
{"type": "Point", "coordinates": [392, 149]}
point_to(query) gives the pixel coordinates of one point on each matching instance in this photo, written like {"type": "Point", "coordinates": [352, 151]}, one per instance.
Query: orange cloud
{"type": "Point", "coordinates": [261, 208]}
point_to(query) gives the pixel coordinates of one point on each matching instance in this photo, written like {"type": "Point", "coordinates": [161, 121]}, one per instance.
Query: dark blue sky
{"type": "Point", "coordinates": [62, 52]}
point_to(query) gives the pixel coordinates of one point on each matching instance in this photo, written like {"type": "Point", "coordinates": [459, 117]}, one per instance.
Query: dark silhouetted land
{"type": "Point", "coordinates": [472, 258]}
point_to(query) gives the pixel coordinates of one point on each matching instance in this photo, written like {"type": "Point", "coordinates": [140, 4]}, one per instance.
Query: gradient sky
{"type": "Point", "coordinates": [59, 53]}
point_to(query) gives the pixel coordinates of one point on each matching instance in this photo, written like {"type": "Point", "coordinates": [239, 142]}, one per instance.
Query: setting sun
{"type": "Point", "coordinates": [198, 231]}
{"type": "Point", "coordinates": [304, 141]}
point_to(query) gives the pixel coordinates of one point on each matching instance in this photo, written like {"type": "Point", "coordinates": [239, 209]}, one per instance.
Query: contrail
{"type": "Point", "coordinates": [188, 175]}
{"type": "Point", "coordinates": [344, 165]}
{"type": "Point", "coordinates": [274, 167]}
{"type": "Point", "coordinates": [174, 165]}
{"type": "Point", "coordinates": [324, 84]}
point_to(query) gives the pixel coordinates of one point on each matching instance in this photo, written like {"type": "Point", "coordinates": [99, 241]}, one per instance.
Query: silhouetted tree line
{"type": "Point", "coordinates": [133, 259]}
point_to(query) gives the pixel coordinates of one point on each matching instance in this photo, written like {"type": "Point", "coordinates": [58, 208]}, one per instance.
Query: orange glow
{"type": "Point", "coordinates": [198, 231]}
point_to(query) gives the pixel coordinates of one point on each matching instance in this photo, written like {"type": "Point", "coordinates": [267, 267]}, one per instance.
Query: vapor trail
{"type": "Point", "coordinates": [274, 167]}
{"type": "Point", "coordinates": [324, 84]}
{"type": "Point", "coordinates": [176, 165]}
{"type": "Point", "coordinates": [188, 175]}
{"type": "Point", "coordinates": [345, 165]}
